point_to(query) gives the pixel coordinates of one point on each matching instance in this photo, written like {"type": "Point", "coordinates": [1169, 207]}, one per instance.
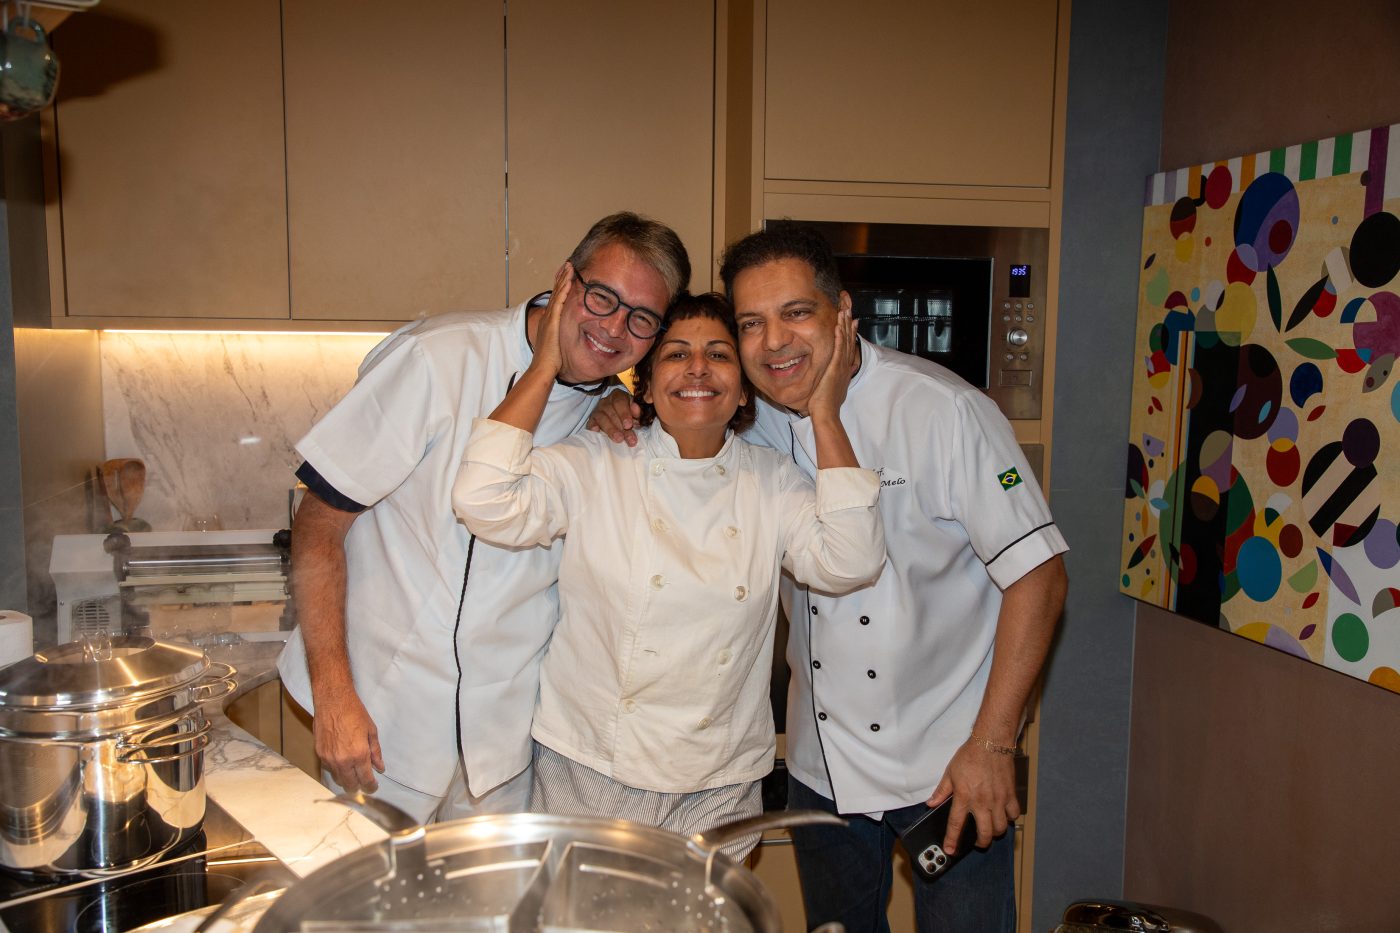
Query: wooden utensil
{"type": "Point", "coordinates": [124, 482]}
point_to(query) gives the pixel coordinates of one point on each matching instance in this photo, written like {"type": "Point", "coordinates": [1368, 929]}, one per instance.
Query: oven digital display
{"type": "Point", "coordinates": [1020, 281]}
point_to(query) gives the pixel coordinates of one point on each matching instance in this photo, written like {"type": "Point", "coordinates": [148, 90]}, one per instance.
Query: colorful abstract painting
{"type": "Point", "coordinates": [1263, 481]}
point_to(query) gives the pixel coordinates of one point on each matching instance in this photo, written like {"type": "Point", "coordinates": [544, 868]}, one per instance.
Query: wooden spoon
{"type": "Point", "coordinates": [132, 480]}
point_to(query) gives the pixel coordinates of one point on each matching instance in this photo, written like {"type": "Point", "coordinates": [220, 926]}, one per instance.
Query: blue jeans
{"type": "Point", "coordinates": [846, 875]}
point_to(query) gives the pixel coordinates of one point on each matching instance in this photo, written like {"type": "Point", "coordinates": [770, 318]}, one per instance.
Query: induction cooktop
{"type": "Point", "coordinates": [204, 871]}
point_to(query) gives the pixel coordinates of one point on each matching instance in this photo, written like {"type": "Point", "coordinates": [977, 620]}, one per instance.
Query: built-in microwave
{"type": "Point", "coordinates": [968, 298]}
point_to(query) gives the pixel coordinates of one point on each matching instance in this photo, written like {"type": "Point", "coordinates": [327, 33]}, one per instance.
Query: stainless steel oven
{"type": "Point", "coordinates": [969, 298]}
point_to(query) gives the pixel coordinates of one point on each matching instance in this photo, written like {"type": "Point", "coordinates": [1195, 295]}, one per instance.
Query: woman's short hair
{"type": "Point", "coordinates": [710, 305]}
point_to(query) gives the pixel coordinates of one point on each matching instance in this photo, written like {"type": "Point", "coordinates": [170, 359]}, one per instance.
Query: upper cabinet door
{"type": "Point", "coordinates": [169, 135]}
{"type": "Point", "coordinates": [395, 157]}
{"type": "Point", "coordinates": [937, 92]}
{"type": "Point", "coordinates": [611, 108]}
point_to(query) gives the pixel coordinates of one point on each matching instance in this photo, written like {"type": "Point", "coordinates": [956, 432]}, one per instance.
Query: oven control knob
{"type": "Point", "coordinates": [1017, 337]}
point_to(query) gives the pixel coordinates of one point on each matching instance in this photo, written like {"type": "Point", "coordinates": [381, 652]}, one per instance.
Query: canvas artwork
{"type": "Point", "coordinates": [1263, 480]}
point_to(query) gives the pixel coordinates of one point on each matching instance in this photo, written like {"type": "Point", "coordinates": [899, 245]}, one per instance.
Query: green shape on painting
{"type": "Point", "coordinates": [1229, 586]}
{"type": "Point", "coordinates": [1275, 299]}
{"type": "Point", "coordinates": [1239, 506]}
{"type": "Point", "coordinates": [1171, 517]}
{"type": "Point", "coordinates": [1137, 489]}
{"type": "Point", "coordinates": [1310, 348]}
{"type": "Point", "coordinates": [1157, 338]}
{"type": "Point", "coordinates": [1304, 580]}
{"type": "Point", "coordinates": [1350, 638]}
{"type": "Point", "coordinates": [1158, 287]}
{"type": "Point", "coordinates": [1127, 580]}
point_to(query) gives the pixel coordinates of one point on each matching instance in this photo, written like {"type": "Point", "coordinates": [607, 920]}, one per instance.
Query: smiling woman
{"type": "Point", "coordinates": [653, 702]}
{"type": "Point", "coordinates": [692, 381]}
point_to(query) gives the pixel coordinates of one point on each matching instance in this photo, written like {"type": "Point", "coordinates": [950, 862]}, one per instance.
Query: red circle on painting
{"type": "Point", "coordinates": [1283, 466]}
{"type": "Point", "coordinates": [1187, 572]}
{"type": "Point", "coordinates": [1236, 270]}
{"type": "Point", "coordinates": [1290, 541]}
{"type": "Point", "coordinates": [1218, 186]}
{"type": "Point", "coordinates": [1280, 236]}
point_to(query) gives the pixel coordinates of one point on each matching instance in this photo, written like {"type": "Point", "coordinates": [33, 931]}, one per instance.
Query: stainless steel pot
{"type": "Point", "coordinates": [536, 872]}
{"type": "Point", "coordinates": [102, 753]}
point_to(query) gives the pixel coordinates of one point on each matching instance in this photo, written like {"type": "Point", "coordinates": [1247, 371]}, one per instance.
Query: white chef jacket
{"type": "Point", "coordinates": [658, 673]}
{"type": "Point", "coordinates": [394, 443]}
{"type": "Point", "coordinates": [887, 681]}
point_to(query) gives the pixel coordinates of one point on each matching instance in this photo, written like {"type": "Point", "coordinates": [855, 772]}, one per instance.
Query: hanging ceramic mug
{"type": "Point", "coordinates": [28, 70]}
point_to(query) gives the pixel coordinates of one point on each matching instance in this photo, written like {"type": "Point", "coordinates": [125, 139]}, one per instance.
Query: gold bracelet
{"type": "Point", "coordinates": [994, 748]}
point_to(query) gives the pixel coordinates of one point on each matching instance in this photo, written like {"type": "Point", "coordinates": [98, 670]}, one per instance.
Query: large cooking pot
{"type": "Point", "coordinates": [534, 872]}
{"type": "Point", "coordinates": [102, 753]}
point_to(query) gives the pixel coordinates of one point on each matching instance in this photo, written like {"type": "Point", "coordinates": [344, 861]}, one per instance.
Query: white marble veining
{"type": "Point", "coordinates": [280, 805]}
{"type": "Point", "coordinates": [214, 416]}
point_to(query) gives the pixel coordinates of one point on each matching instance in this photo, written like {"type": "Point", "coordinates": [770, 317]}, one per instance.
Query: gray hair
{"type": "Point", "coordinates": [655, 243]}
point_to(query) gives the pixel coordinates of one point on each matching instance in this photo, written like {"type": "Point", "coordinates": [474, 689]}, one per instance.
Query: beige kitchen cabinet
{"type": "Point", "coordinates": [166, 147]}
{"type": "Point", "coordinates": [610, 107]}
{"type": "Point", "coordinates": [395, 157]}
{"type": "Point", "coordinates": [926, 93]}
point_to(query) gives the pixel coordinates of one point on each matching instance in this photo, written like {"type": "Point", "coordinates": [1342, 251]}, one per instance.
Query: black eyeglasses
{"type": "Point", "coordinates": [601, 301]}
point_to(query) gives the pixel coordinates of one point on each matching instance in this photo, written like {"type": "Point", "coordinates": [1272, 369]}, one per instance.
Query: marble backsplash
{"type": "Point", "coordinates": [214, 416]}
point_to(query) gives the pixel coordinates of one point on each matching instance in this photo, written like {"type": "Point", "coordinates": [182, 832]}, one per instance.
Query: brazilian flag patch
{"type": "Point", "coordinates": [1010, 479]}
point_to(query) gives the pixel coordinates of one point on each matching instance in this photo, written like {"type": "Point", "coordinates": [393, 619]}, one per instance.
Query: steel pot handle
{"type": "Point", "coordinates": [198, 739]}
{"type": "Point", "coordinates": [217, 683]}
{"type": "Point", "coordinates": [712, 839]}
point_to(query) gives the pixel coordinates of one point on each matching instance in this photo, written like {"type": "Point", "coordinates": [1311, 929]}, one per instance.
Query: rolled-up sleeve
{"type": "Point", "coordinates": [507, 491]}
{"type": "Point", "coordinates": [835, 538]}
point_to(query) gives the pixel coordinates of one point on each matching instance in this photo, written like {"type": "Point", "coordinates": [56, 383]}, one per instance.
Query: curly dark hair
{"type": "Point", "coordinates": [710, 305]}
{"type": "Point", "coordinates": [784, 240]}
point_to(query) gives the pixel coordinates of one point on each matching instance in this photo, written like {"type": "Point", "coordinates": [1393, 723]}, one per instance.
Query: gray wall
{"type": "Point", "coordinates": [1117, 63]}
{"type": "Point", "coordinates": [12, 565]}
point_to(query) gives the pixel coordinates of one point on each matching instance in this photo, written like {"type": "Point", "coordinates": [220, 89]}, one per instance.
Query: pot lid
{"type": "Point", "coordinates": [99, 672]}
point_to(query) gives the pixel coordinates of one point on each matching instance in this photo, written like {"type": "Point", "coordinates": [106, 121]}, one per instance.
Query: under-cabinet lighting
{"type": "Point", "coordinates": [252, 333]}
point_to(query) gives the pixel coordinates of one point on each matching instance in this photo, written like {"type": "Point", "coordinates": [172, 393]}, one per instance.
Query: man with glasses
{"type": "Point", "coordinates": [418, 646]}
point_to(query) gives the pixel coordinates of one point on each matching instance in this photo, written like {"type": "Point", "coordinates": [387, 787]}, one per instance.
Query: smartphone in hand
{"type": "Point", "coordinates": [924, 841]}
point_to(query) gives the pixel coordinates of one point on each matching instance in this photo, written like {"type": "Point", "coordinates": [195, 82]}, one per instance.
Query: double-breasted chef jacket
{"type": "Point", "coordinates": [394, 443]}
{"type": "Point", "coordinates": [658, 673]}
{"type": "Point", "coordinates": [887, 680]}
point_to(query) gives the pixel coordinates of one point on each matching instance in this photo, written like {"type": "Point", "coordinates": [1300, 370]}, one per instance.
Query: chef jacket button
{"type": "Point", "coordinates": [822, 716]}
{"type": "Point", "coordinates": [814, 610]}
{"type": "Point", "coordinates": [741, 593]}
{"type": "Point", "coordinates": [658, 525]}
{"type": "Point", "coordinates": [865, 620]}
{"type": "Point", "coordinates": [719, 468]}
{"type": "Point", "coordinates": [817, 665]}
{"type": "Point", "coordinates": [870, 674]}
{"type": "Point", "coordinates": [731, 532]}
{"type": "Point", "coordinates": [874, 727]}
{"type": "Point", "coordinates": [657, 582]}
{"type": "Point", "coordinates": [704, 723]}
{"type": "Point", "coordinates": [629, 706]}
{"type": "Point", "coordinates": [658, 468]}
{"type": "Point", "coordinates": [724, 655]}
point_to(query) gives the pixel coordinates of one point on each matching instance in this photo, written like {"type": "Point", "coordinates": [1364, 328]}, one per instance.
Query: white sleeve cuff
{"type": "Point", "coordinates": [846, 488]}
{"type": "Point", "coordinates": [499, 445]}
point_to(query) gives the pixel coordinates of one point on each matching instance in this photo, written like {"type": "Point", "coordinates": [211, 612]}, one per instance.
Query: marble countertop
{"type": "Point", "coordinates": [284, 808]}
